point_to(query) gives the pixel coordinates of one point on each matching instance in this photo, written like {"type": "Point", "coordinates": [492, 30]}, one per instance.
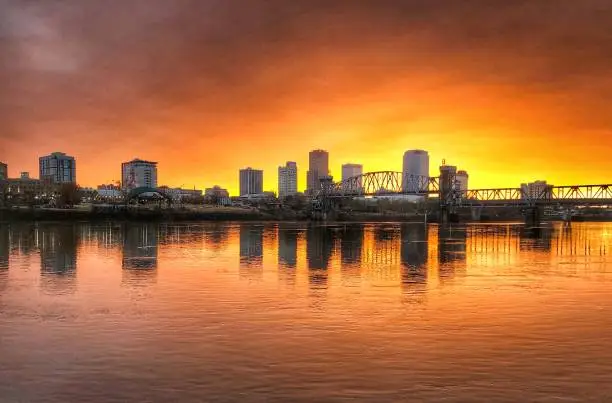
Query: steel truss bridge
{"type": "Point", "coordinates": [379, 184]}
{"type": "Point", "coordinates": [389, 183]}
{"type": "Point", "coordinates": [572, 195]}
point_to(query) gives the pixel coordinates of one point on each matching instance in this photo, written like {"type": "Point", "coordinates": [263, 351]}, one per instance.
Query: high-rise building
{"type": "Point", "coordinates": [58, 168]}
{"type": "Point", "coordinates": [536, 190]}
{"type": "Point", "coordinates": [251, 181]}
{"type": "Point", "coordinates": [461, 181]}
{"type": "Point", "coordinates": [318, 168]}
{"type": "Point", "coordinates": [287, 180]}
{"type": "Point", "coordinates": [415, 171]}
{"type": "Point", "coordinates": [3, 171]}
{"type": "Point", "coordinates": [351, 170]}
{"type": "Point", "coordinates": [138, 173]}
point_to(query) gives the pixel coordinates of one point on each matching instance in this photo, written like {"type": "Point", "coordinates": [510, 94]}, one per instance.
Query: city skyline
{"type": "Point", "coordinates": [414, 162]}
{"type": "Point", "coordinates": [492, 88]}
{"type": "Point", "coordinates": [335, 168]}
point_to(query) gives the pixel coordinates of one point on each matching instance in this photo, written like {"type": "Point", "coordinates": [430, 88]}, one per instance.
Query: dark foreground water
{"type": "Point", "coordinates": [299, 313]}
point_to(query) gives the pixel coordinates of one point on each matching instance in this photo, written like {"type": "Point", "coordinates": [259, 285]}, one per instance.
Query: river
{"type": "Point", "coordinates": [292, 312]}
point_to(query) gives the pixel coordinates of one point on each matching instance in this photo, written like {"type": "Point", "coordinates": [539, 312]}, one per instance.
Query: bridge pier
{"type": "Point", "coordinates": [447, 216]}
{"type": "Point", "coordinates": [566, 216]}
{"type": "Point", "coordinates": [443, 216]}
{"type": "Point", "coordinates": [533, 216]}
{"type": "Point", "coordinates": [476, 213]}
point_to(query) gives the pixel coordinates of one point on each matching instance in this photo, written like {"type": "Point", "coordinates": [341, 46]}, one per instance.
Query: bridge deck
{"type": "Point", "coordinates": [388, 183]}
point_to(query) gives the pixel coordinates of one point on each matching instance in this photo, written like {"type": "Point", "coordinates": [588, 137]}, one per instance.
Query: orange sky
{"type": "Point", "coordinates": [509, 91]}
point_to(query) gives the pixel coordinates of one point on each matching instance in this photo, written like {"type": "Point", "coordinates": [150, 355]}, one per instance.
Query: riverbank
{"type": "Point", "coordinates": [210, 213]}
{"type": "Point", "coordinates": [134, 214]}
{"type": "Point", "coordinates": [207, 213]}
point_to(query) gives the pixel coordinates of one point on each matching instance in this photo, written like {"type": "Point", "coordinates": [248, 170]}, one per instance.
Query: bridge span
{"type": "Point", "coordinates": [450, 197]}
{"type": "Point", "coordinates": [570, 195]}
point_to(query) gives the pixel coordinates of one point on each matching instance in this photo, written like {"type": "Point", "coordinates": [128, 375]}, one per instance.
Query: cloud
{"type": "Point", "coordinates": [116, 74]}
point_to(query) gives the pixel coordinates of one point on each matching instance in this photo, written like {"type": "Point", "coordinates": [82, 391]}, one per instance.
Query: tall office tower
{"type": "Point", "coordinates": [3, 171]}
{"type": "Point", "coordinates": [415, 171]}
{"type": "Point", "coordinates": [138, 173]}
{"type": "Point", "coordinates": [536, 190]}
{"type": "Point", "coordinates": [57, 168]}
{"type": "Point", "coordinates": [318, 167]}
{"type": "Point", "coordinates": [287, 180]}
{"type": "Point", "coordinates": [461, 181]}
{"type": "Point", "coordinates": [351, 170]}
{"type": "Point", "coordinates": [251, 181]}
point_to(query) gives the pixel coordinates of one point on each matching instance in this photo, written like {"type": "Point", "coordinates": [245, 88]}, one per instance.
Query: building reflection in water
{"type": "Point", "coordinates": [319, 249]}
{"type": "Point", "coordinates": [287, 245]}
{"type": "Point", "coordinates": [351, 252]}
{"type": "Point", "coordinates": [107, 236]}
{"type": "Point", "coordinates": [23, 238]}
{"type": "Point", "coordinates": [288, 236]}
{"type": "Point", "coordinates": [452, 242]}
{"type": "Point", "coordinates": [351, 243]}
{"type": "Point", "coordinates": [58, 258]}
{"type": "Point", "coordinates": [251, 251]}
{"type": "Point", "coordinates": [140, 253]}
{"type": "Point", "coordinates": [216, 236]}
{"type": "Point", "coordinates": [4, 247]}
{"type": "Point", "coordinates": [413, 252]}
{"type": "Point", "coordinates": [319, 246]}
{"type": "Point", "coordinates": [4, 256]}
{"type": "Point", "coordinates": [413, 255]}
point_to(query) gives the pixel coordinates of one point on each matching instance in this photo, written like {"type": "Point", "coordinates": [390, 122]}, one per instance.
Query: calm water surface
{"type": "Point", "coordinates": [299, 313]}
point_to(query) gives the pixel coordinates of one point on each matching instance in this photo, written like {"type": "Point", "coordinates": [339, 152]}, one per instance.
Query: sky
{"type": "Point", "coordinates": [511, 91]}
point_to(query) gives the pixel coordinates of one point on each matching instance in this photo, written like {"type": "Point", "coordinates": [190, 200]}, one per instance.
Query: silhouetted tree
{"type": "Point", "coordinates": [69, 195]}
{"type": "Point", "coordinates": [295, 202]}
{"type": "Point", "coordinates": [4, 193]}
{"type": "Point", "coordinates": [212, 199]}
{"type": "Point", "coordinates": [194, 200]}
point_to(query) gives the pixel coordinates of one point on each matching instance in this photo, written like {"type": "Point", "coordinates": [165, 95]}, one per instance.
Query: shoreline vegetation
{"type": "Point", "coordinates": [220, 213]}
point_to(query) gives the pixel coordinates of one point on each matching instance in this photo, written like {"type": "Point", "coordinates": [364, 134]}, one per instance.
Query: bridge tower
{"type": "Point", "coordinates": [448, 175]}
{"type": "Point", "coordinates": [323, 203]}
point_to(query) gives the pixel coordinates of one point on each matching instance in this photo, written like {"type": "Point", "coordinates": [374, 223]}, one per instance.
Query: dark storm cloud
{"type": "Point", "coordinates": [113, 63]}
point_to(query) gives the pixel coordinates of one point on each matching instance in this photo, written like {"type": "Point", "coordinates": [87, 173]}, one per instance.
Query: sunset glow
{"type": "Point", "coordinates": [511, 91]}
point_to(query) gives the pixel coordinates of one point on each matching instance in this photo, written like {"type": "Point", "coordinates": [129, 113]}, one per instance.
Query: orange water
{"type": "Point", "coordinates": [292, 312]}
